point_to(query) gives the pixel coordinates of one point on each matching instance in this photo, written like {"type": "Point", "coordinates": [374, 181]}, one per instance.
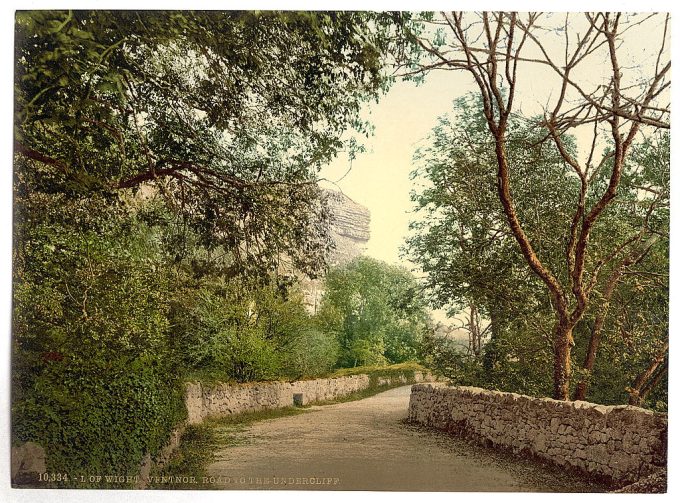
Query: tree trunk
{"type": "Point", "coordinates": [562, 361]}
{"type": "Point", "coordinates": [596, 334]}
{"type": "Point", "coordinates": [653, 382]}
{"type": "Point", "coordinates": [563, 336]}
{"type": "Point", "coordinates": [641, 380]}
{"type": "Point", "coordinates": [589, 363]}
{"type": "Point", "coordinates": [475, 342]}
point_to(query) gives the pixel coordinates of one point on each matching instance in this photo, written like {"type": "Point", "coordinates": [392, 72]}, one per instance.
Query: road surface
{"type": "Point", "coordinates": [367, 445]}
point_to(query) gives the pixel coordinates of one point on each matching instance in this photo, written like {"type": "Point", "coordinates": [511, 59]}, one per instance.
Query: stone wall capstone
{"type": "Point", "coordinates": [619, 443]}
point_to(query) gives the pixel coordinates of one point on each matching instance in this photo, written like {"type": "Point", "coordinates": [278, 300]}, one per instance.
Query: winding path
{"type": "Point", "coordinates": [366, 445]}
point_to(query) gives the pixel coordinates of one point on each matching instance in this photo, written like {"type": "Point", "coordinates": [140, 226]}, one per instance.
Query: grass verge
{"type": "Point", "coordinates": [211, 377]}
{"type": "Point", "coordinates": [381, 378]}
{"type": "Point", "coordinates": [200, 442]}
{"type": "Point", "coordinates": [383, 370]}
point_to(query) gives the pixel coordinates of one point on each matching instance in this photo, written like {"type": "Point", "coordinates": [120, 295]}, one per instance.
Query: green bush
{"type": "Point", "coordinates": [93, 377]}
{"type": "Point", "coordinates": [100, 417]}
{"type": "Point", "coordinates": [497, 367]}
{"type": "Point", "coordinates": [310, 354]}
{"type": "Point", "coordinates": [376, 310]}
{"type": "Point", "coordinates": [230, 331]}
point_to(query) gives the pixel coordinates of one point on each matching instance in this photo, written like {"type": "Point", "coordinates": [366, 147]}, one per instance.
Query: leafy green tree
{"type": "Point", "coordinates": [235, 331]}
{"type": "Point", "coordinates": [462, 242]}
{"type": "Point", "coordinates": [94, 376]}
{"type": "Point", "coordinates": [482, 265]}
{"type": "Point", "coordinates": [633, 300]}
{"type": "Point", "coordinates": [376, 310]}
{"type": "Point", "coordinates": [615, 107]}
{"type": "Point", "coordinates": [228, 114]}
{"type": "Point", "coordinates": [165, 169]}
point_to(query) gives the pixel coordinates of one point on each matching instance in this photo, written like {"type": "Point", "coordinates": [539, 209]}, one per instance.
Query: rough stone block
{"type": "Point", "coordinates": [28, 461]}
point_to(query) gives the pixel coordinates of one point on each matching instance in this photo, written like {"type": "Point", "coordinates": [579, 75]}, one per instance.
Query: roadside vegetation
{"type": "Point", "coordinates": [620, 347]}
{"type": "Point", "coordinates": [167, 204]}
{"type": "Point", "coordinates": [550, 227]}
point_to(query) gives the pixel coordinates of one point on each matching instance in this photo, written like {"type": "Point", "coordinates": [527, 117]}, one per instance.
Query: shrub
{"type": "Point", "coordinates": [92, 370]}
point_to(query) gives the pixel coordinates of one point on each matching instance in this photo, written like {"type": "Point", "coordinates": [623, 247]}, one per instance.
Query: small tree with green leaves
{"type": "Point", "coordinates": [376, 310]}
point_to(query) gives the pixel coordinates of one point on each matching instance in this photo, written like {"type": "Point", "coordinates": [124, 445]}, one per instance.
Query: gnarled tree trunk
{"type": "Point", "coordinates": [646, 380]}
{"type": "Point", "coordinates": [562, 361]}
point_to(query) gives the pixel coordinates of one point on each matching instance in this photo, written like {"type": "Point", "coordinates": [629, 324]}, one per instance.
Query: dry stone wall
{"type": "Point", "coordinates": [203, 400]}
{"type": "Point", "coordinates": [618, 443]}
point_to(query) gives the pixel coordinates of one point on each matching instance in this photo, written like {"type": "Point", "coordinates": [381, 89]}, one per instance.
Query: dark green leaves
{"type": "Point", "coordinates": [230, 111]}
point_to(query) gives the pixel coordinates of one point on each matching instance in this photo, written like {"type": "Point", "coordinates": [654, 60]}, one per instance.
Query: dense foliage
{"type": "Point", "coordinates": [94, 377]}
{"type": "Point", "coordinates": [227, 331]}
{"type": "Point", "coordinates": [226, 112]}
{"type": "Point", "coordinates": [165, 200]}
{"type": "Point", "coordinates": [377, 312]}
{"type": "Point", "coordinates": [463, 242]}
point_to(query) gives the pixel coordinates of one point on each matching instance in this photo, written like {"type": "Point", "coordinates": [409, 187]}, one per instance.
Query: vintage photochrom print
{"type": "Point", "coordinates": [340, 251]}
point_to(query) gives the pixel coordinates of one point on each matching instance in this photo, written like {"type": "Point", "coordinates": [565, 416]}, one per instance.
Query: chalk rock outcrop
{"type": "Point", "coordinates": [350, 227]}
{"type": "Point", "coordinates": [350, 231]}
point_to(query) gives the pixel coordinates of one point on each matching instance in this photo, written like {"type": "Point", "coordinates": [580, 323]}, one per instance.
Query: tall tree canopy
{"type": "Point", "coordinates": [500, 51]}
{"type": "Point", "coordinates": [165, 170]}
{"type": "Point", "coordinates": [228, 114]}
{"type": "Point", "coordinates": [463, 242]}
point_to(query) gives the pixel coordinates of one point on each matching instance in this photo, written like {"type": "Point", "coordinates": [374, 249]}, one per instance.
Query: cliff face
{"type": "Point", "coordinates": [350, 231]}
{"type": "Point", "coordinates": [350, 228]}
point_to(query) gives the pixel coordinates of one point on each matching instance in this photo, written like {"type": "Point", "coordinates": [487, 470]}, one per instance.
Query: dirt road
{"type": "Point", "coordinates": [366, 445]}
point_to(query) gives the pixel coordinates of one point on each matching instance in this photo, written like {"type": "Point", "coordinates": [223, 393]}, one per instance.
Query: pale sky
{"type": "Point", "coordinates": [379, 178]}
